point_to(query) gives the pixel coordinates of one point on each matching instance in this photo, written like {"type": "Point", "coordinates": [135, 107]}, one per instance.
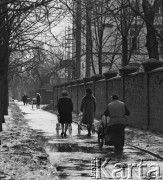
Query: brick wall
{"type": "Point", "coordinates": [81, 93]}
{"type": "Point", "coordinates": [114, 87]}
{"type": "Point", "coordinates": [136, 99]}
{"type": "Point", "coordinates": [74, 97]}
{"type": "Point", "coordinates": [68, 88]}
{"type": "Point", "coordinates": [142, 92]}
{"type": "Point", "coordinates": [55, 96]}
{"type": "Point", "coordinates": [100, 94]}
{"type": "Point", "coordinates": [156, 100]}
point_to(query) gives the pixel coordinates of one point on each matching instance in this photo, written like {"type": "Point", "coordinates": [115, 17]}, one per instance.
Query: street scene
{"type": "Point", "coordinates": [81, 89]}
{"type": "Point", "coordinates": [73, 157]}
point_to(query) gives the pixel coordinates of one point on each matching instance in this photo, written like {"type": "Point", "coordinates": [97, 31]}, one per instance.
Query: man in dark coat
{"type": "Point", "coordinates": [117, 111]}
{"type": "Point", "coordinates": [88, 108]}
{"type": "Point", "coordinates": [65, 108]}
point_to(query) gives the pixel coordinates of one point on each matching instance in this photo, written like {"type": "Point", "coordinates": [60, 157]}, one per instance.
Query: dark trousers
{"type": "Point", "coordinates": [118, 135]}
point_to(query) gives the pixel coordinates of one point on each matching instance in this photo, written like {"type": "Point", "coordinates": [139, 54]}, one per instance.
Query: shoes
{"type": "Point", "coordinates": [63, 134]}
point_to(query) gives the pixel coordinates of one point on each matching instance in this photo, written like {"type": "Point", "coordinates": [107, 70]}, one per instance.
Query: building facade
{"type": "Point", "coordinates": [110, 32]}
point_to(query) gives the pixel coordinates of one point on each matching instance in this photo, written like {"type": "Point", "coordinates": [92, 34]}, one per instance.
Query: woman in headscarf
{"type": "Point", "coordinates": [65, 108]}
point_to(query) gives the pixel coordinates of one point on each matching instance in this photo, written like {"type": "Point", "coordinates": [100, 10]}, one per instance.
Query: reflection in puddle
{"type": "Point", "coordinates": [70, 147]}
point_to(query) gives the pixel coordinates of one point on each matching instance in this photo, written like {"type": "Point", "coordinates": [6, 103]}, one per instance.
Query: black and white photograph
{"type": "Point", "coordinates": [81, 89]}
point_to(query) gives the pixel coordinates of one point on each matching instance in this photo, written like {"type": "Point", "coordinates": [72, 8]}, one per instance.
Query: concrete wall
{"type": "Point", "coordinates": [142, 92]}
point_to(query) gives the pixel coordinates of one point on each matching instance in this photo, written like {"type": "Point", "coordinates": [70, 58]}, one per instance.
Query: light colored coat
{"type": "Point", "coordinates": [117, 112]}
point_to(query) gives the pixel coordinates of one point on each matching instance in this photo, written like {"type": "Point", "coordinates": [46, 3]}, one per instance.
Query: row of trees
{"type": "Point", "coordinates": [30, 50]}
{"type": "Point", "coordinates": [26, 32]}
{"type": "Point", "coordinates": [112, 28]}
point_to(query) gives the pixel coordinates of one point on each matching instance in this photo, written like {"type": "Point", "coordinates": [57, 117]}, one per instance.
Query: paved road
{"type": "Point", "coordinates": [73, 156]}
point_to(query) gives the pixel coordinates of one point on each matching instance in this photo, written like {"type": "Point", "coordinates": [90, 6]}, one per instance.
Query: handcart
{"type": "Point", "coordinates": [58, 126]}
{"type": "Point", "coordinates": [34, 101]}
{"type": "Point", "coordinates": [81, 125]}
{"type": "Point", "coordinates": [104, 134]}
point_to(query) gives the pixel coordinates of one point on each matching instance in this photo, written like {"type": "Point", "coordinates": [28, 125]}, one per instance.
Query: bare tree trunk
{"type": "Point", "coordinates": [124, 51]}
{"type": "Point", "coordinates": [151, 39]}
{"type": "Point", "coordinates": [4, 58]}
{"type": "Point", "coordinates": [6, 100]}
{"type": "Point", "coordinates": [1, 107]}
{"type": "Point", "coordinates": [92, 63]}
{"type": "Point", "coordinates": [100, 60]}
{"type": "Point", "coordinates": [151, 43]}
{"type": "Point", "coordinates": [78, 40]}
{"type": "Point", "coordinates": [124, 29]}
{"type": "Point", "coordinates": [88, 38]}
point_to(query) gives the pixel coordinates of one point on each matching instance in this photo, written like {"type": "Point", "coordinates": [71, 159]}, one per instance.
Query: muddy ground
{"type": "Point", "coordinates": [22, 156]}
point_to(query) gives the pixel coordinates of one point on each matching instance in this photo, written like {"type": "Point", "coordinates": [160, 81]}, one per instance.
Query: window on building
{"type": "Point", "coordinates": [133, 40]}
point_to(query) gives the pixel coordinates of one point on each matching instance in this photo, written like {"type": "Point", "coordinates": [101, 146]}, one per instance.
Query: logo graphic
{"type": "Point", "coordinates": [124, 171]}
{"type": "Point", "coordinates": [97, 168]}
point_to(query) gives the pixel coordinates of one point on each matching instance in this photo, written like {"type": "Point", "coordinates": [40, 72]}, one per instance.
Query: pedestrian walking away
{"type": "Point", "coordinates": [65, 108]}
{"type": "Point", "coordinates": [38, 100]}
{"type": "Point", "coordinates": [24, 98]}
{"type": "Point", "coordinates": [88, 108]}
{"type": "Point", "coordinates": [117, 111]}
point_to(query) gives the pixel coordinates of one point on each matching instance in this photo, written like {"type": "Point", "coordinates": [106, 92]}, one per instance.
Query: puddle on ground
{"type": "Point", "coordinates": [75, 147]}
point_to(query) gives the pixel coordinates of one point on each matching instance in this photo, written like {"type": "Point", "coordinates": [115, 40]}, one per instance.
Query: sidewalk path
{"type": "Point", "coordinates": [72, 156]}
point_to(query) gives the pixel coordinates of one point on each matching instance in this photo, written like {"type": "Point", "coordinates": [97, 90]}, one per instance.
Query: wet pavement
{"type": "Point", "coordinates": [74, 156]}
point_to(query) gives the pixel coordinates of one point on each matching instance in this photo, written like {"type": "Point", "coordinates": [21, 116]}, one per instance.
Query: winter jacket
{"type": "Point", "coordinates": [88, 107]}
{"type": "Point", "coordinates": [117, 111]}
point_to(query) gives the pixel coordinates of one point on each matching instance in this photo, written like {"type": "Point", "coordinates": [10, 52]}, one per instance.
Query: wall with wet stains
{"type": "Point", "coordinates": [136, 99]}
{"type": "Point", "coordinates": [100, 94]}
{"type": "Point", "coordinates": [142, 92]}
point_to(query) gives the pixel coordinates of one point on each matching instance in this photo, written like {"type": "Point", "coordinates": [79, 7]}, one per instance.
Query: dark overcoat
{"type": "Point", "coordinates": [38, 99]}
{"type": "Point", "coordinates": [65, 108]}
{"type": "Point", "coordinates": [24, 98]}
{"type": "Point", "coordinates": [88, 107]}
